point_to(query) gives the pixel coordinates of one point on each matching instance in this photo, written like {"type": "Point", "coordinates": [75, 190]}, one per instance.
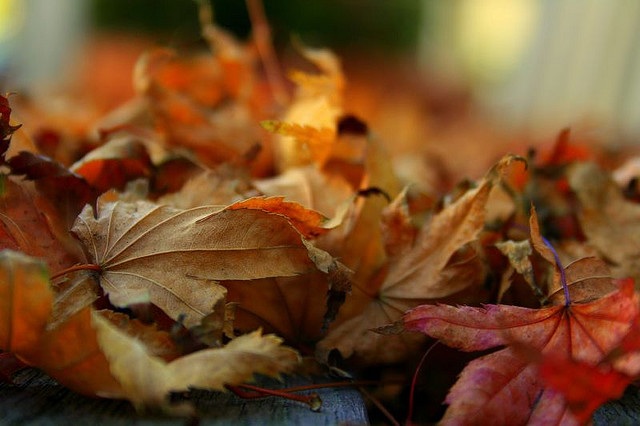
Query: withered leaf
{"type": "Point", "coordinates": [68, 191]}
{"type": "Point", "coordinates": [89, 353]}
{"type": "Point", "coordinates": [424, 269]}
{"type": "Point", "coordinates": [518, 253]}
{"type": "Point", "coordinates": [25, 213]}
{"type": "Point", "coordinates": [147, 380]}
{"type": "Point", "coordinates": [171, 257]}
{"type": "Point", "coordinates": [309, 125]}
{"type": "Point", "coordinates": [113, 164]}
{"type": "Point", "coordinates": [501, 385]}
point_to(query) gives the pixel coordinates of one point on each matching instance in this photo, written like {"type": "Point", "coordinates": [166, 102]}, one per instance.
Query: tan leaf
{"type": "Point", "coordinates": [588, 278]}
{"type": "Point", "coordinates": [291, 307]}
{"type": "Point", "coordinates": [538, 240]}
{"type": "Point", "coordinates": [221, 186]}
{"type": "Point", "coordinates": [171, 257]}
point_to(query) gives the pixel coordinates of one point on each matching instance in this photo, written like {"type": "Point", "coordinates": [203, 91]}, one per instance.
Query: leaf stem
{"type": "Point", "coordinates": [75, 268]}
{"type": "Point", "coordinates": [414, 381]}
{"type": "Point", "coordinates": [563, 277]}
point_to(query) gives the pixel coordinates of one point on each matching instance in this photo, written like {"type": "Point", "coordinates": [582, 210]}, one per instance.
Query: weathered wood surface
{"type": "Point", "coordinates": [35, 399]}
{"type": "Point", "coordinates": [625, 411]}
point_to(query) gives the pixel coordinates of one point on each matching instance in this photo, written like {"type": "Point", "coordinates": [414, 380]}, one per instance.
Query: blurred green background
{"type": "Point", "coordinates": [339, 24]}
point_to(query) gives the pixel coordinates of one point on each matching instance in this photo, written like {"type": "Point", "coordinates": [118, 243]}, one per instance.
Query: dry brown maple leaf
{"type": "Point", "coordinates": [172, 257]}
{"type": "Point", "coordinates": [506, 387]}
{"type": "Point", "coordinates": [418, 271]}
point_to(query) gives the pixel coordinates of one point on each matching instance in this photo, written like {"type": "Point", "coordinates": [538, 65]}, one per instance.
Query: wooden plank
{"type": "Point", "coordinates": [35, 399]}
{"type": "Point", "coordinates": [625, 411]}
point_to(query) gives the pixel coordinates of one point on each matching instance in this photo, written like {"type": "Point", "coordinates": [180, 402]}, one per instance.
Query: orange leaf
{"type": "Point", "coordinates": [25, 302]}
{"type": "Point", "coordinates": [113, 164]}
{"type": "Point", "coordinates": [71, 354]}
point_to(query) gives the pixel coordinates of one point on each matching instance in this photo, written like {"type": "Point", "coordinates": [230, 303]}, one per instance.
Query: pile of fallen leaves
{"type": "Point", "coordinates": [208, 231]}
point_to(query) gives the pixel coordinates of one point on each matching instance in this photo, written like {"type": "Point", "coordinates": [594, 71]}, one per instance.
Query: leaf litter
{"type": "Point", "coordinates": [214, 230]}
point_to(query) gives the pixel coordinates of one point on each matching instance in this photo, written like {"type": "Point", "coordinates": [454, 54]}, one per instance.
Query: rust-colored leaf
{"type": "Point", "coordinates": [24, 214]}
{"type": "Point", "coordinates": [113, 164]}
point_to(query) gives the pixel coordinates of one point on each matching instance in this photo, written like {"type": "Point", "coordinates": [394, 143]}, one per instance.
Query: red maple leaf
{"type": "Point", "coordinates": [506, 386]}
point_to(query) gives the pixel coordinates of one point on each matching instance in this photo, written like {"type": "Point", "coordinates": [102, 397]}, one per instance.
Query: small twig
{"type": "Point", "coordinates": [264, 45]}
{"type": "Point", "coordinates": [75, 268]}
{"type": "Point", "coordinates": [255, 392]}
{"type": "Point", "coordinates": [380, 406]}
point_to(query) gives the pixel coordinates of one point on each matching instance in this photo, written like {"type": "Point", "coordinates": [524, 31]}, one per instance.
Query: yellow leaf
{"type": "Point", "coordinates": [147, 380]}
